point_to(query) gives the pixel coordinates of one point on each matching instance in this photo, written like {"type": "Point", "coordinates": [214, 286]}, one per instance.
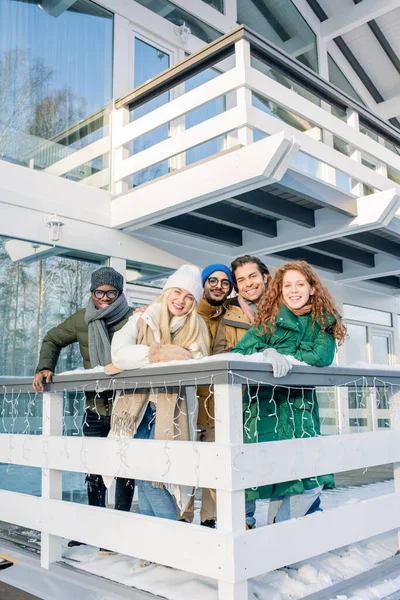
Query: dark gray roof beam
{"type": "Point", "coordinates": [230, 215]}
{"type": "Point", "coordinates": [340, 250]}
{"type": "Point", "coordinates": [373, 243]}
{"type": "Point", "coordinates": [314, 258]}
{"type": "Point", "coordinates": [277, 208]}
{"type": "Point", "coordinates": [391, 281]}
{"type": "Point", "coordinates": [197, 227]}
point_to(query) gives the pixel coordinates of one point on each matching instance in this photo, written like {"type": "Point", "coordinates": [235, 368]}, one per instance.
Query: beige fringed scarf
{"type": "Point", "coordinates": [172, 414]}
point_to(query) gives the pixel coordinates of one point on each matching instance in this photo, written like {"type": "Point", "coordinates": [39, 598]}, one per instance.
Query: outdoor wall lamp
{"type": "Point", "coordinates": [54, 224]}
{"type": "Point", "coordinates": [183, 31]}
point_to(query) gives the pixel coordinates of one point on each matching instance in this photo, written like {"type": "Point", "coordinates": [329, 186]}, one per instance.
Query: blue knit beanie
{"type": "Point", "coordinates": [210, 269]}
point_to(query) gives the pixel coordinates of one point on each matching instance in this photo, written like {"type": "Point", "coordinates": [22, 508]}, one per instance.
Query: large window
{"type": "Point", "coordinates": [55, 81]}
{"type": "Point", "coordinates": [38, 290]}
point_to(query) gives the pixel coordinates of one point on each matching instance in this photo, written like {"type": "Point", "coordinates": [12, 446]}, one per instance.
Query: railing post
{"type": "Point", "coordinates": [230, 505]}
{"type": "Point", "coordinates": [119, 118]}
{"type": "Point", "coordinates": [50, 548]}
{"type": "Point", "coordinates": [243, 94]}
{"type": "Point", "coordinates": [343, 409]}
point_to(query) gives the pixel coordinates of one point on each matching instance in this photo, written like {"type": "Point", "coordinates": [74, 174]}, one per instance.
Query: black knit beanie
{"type": "Point", "coordinates": [107, 276]}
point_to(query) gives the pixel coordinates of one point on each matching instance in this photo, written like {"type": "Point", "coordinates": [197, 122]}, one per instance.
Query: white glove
{"type": "Point", "coordinates": [280, 364]}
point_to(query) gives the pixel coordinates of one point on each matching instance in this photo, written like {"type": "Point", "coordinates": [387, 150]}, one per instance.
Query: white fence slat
{"type": "Point", "coordinates": [274, 546]}
{"type": "Point", "coordinates": [272, 462]}
{"type": "Point", "coordinates": [292, 101]}
{"type": "Point", "coordinates": [190, 463]}
{"type": "Point", "coordinates": [214, 127]}
{"type": "Point", "coordinates": [179, 106]}
{"type": "Point", "coordinates": [185, 546]}
{"type": "Point", "coordinates": [260, 120]}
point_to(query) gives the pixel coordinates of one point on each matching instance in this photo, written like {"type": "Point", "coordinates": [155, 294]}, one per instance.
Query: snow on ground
{"type": "Point", "coordinates": [292, 582]}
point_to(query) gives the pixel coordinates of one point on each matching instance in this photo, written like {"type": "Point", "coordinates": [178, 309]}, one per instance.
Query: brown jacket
{"type": "Point", "coordinates": [231, 328]}
{"type": "Point", "coordinates": [212, 316]}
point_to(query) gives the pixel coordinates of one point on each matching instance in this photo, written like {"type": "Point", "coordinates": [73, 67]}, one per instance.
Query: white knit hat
{"type": "Point", "coordinates": [187, 277]}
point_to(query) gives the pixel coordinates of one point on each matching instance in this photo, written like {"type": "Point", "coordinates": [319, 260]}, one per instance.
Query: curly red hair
{"type": "Point", "coordinates": [322, 302]}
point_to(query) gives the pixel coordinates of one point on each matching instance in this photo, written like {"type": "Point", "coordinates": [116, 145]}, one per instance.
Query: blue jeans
{"type": "Point", "coordinates": [153, 501]}
{"type": "Point", "coordinates": [292, 506]}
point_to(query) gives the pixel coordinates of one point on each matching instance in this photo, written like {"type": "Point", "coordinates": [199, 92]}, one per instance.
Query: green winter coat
{"type": "Point", "coordinates": [286, 413]}
{"type": "Point", "coordinates": [75, 329]}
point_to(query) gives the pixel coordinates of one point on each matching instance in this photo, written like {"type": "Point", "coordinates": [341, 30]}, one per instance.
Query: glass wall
{"type": "Point", "coordinates": [55, 80]}
{"type": "Point", "coordinates": [280, 22]}
{"type": "Point", "coordinates": [38, 290]}
{"type": "Point", "coordinates": [337, 77]}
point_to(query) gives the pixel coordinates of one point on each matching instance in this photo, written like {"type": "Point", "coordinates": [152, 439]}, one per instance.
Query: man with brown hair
{"type": "Point", "coordinates": [250, 277]}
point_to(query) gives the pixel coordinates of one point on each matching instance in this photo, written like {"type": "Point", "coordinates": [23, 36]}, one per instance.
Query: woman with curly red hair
{"type": "Point", "coordinates": [296, 317]}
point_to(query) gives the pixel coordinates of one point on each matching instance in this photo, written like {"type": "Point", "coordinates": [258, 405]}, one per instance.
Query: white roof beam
{"type": "Point", "coordinates": [388, 109]}
{"type": "Point", "coordinates": [383, 268]}
{"type": "Point", "coordinates": [374, 211]}
{"type": "Point", "coordinates": [218, 179]}
{"type": "Point", "coordinates": [28, 224]}
{"type": "Point", "coordinates": [355, 16]}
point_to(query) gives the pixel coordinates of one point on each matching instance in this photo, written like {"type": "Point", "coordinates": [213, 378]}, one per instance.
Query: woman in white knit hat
{"type": "Point", "coordinates": [169, 329]}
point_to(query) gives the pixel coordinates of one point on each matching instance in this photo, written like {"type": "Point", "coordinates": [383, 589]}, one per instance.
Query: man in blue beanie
{"type": "Point", "coordinates": [218, 284]}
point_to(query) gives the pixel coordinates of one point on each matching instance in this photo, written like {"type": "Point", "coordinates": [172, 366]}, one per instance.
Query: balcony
{"type": "Point", "coordinates": [242, 149]}
{"type": "Point", "coordinates": [229, 555]}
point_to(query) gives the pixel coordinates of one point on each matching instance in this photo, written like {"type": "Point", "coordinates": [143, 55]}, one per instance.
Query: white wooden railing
{"type": "Point", "coordinates": [229, 554]}
{"type": "Point", "coordinates": [239, 80]}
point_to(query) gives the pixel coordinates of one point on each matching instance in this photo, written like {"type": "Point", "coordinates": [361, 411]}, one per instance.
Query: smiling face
{"type": "Point", "coordinates": [250, 283]}
{"type": "Point", "coordinates": [217, 288]}
{"type": "Point", "coordinates": [296, 290]}
{"type": "Point", "coordinates": [179, 302]}
{"type": "Point", "coordinates": [104, 301]}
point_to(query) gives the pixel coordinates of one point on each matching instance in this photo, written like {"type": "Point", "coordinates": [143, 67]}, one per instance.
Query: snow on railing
{"type": "Point", "coordinates": [229, 553]}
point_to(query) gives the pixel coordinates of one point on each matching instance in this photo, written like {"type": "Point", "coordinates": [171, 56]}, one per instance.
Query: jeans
{"type": "Point", "coordinates": [298, 505]}
{"type": "Point", "coordinates": [153, 501]}
{"type": "Point", "coordinates": [95, 425]}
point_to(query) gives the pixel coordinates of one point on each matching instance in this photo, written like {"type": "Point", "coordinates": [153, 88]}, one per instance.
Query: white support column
{"type": "Point", "coordinates": [178, 126]}
{"type": "Point", "coordinates": [354, 121]}
{"type": "Point", "coordinates": [230, 9]}
{"type": "Point", "coordinates": [50, 547]}
{"type": "Point", "coordinates": [243, 94]}
{"type": "Point", "coordinates": [230, 505]}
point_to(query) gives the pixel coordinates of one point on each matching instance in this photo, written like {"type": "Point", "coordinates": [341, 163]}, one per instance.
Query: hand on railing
{"type": "Point", "coordinates": [280, 364]}
{"type": "Point", "coordinates": [167, 352]}
{"type": "Point", "coordinates": [37, 382]}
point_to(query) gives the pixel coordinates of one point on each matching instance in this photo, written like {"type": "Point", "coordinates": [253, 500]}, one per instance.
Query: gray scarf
{"type": "Point", "coordinates": [98, 321]}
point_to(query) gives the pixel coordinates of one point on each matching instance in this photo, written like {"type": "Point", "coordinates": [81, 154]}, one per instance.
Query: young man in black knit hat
{"type": "Point", "coordinates": [93, 328]}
